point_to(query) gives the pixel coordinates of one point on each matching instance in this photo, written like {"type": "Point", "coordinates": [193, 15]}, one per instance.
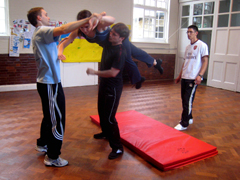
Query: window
{"type": "Point", "coordinates": [3, 17]}
{"type": "Point", "coordinates": [226, 12]}
{"type": "Point", "coordinates": [201, 15]}
{"type": "Point", "coordinates": [150, 21]}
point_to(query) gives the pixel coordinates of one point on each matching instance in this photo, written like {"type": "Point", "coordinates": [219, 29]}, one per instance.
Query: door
{"type": "Point", "coordinates": [224, 64]}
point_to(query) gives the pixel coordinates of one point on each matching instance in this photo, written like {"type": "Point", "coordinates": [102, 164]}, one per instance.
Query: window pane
{"type": "Point", "coordinates": [224, 6]}
{"type": "Point", "coordinates": [198, 9]}
{"type": "Point", "coordinates": [2, 14]}
{"type": "Point", "coordinates": [151, 34]}
{"type": "Point", "coordinates": [141, 2]}
{"type": "Point", "coordinates": [146, 35]}
{"type": "Point", "coordinates": [236, 5]}
{"type": "Point", "coordinates": [138, 22]}
{"type": "Point", "coordinates": [146, 21]}
{"type": "Point", "coordinates": [150, 3]}
{"type": "Point", "coordinates": [161, 4]}
{"type": "Point", "coordinates": [235, 20]}
{"type": "Point", "coordinates": [197, 21]}
{"type": "Point", "coordinates": [223, 20]}
{"type": "Point", "coordinates": [2, 26]}
{"type": "Point", "coordinates": [159, 29]}
{"type": "Point", "coordinates": [159, 35]}
{"type": "Point", "coordinates": [2, 3]}
{"type": "Point", "coordinates": [207, 21]}
{"type": "Point", "coordinates": [209, 8]}
{"type": "Point", "coordinates": [185, 10]}
{"type": "Point", "coordinates": [152, 25]}
{"type": "Point", "coordinates": [184, 23]}
{"type": "Point", "coordinates": [149, 13]}
{"type": "Point", "coordinates": [153, 3]}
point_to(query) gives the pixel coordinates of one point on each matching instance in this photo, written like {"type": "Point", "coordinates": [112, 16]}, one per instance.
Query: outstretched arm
{"type": "Point", "coordinates": [69, 27]}
{"type": "Point", "coordinates": [101, 22]}
{"type": "Point", "coordinates": [63, 44]}
{"type": "Point", "coordinates": [105, 22]}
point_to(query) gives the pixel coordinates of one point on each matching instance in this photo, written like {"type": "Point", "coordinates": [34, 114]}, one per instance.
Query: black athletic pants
{"type": "Point", "coordinates": [188, 90]}
{"type": "Point", "coordinates": [53, 122]}
{"type": "Point", "coordinates": [108, 101]}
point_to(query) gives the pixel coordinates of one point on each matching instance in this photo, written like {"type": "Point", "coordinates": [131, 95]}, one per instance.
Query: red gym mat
{"type": "Point", "coordinates": [159, 144]}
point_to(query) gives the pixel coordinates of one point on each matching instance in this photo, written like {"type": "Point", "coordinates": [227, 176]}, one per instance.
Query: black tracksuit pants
{"type": "Point", "coordinates": [188, 90]}
{"type": "Point", "coordinates": [53, 122]}
{"type": "Point", "coordinates": [108, 101]}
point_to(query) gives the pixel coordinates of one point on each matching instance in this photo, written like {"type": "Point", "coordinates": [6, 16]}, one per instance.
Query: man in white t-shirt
{"type": "Point", "coordinates": [191, 75]}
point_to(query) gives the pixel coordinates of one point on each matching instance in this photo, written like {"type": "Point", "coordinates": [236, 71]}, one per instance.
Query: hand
{"type": "Point", "coordinates": [61, 57]}
{"type": "Point", "coordinates": [177, 80]}
{"type": "Point", "coordinates": [93, 22]}
{"type": "Point", "coordinates": [90, 71]}
{"type": "Point", "coordinates": [198, 80]}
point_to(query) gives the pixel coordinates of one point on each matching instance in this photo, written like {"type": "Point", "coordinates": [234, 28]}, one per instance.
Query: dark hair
{"type": "Point", "coordinates": [32, 15]}
{"type": "Point", "coordinates": [194, 27]}
{"type": "Point", "coordinates": [121, 29]}
{"type": "Point", "coordinates": [82, 15]}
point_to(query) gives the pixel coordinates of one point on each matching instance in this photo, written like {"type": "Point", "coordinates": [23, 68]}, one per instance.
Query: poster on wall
{"type": "Point", "coordinates": [14, 44]}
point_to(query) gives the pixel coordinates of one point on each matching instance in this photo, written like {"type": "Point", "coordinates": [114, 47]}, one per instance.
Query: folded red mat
{"type": "Point", "coordinates": [158, 143]}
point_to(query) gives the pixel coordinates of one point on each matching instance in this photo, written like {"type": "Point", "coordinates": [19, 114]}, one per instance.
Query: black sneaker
{"type": "Point", "coordinates": [99, 136]}
{"type": "Point", "coordinates": [139, 84]}
{"type": "Point", "coordinates": [115, 154]}
{"type": "Point", "coordinates": [158, 66]}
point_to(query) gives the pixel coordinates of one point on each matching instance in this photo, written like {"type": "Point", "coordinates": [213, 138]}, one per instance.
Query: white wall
{"type": "Point", "coordinates": [73, 74]}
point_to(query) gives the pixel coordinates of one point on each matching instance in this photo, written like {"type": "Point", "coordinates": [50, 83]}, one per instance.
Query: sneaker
{"type": "Point", "coordinates": [180, 127]}
{"type": "Point", "coordinates": [41, 148]}
{"type": "Point", "coordinates": [99, 136]}
{"type": "Point", "coordinates": [59, 162]}
{"type": "Point", "coordinates": [115, 154]}
{"type": "Point", "coordinates": [139, 84]}
{"type": "Point", "coordinates": [158, 66]}
{"type": "Point", "coordinates": [190, 121]}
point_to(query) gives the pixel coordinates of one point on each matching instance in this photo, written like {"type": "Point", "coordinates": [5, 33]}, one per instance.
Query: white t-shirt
{"type": "Point", "coordinates": [193, 59]}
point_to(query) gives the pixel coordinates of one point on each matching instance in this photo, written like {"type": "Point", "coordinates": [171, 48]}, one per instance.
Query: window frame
{"type": "Point", "coordinates": [6, 7]}
{"type": "Point", "coordinates": [166, 12]}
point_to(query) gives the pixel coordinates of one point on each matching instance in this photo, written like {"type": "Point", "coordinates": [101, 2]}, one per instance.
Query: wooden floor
{"type": "Point", "coordinates": [216, 121]}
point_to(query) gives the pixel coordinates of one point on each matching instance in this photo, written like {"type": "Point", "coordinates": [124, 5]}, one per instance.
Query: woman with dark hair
{"type": "Point", "coordinates": [100, 33]}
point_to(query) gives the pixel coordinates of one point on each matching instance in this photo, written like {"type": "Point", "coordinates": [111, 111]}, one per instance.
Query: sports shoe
{"type": "Point", "coordinates": [139, 84]}
{"type": "Point", "coordinates": [115, 154]}
{"type": "Point", "coordinates": [180, 127]}
{"type": "Point", "coordinates": [190, 121]}
{"type": "Point", "coordinates": [41, 148]}
{"type": "Point", "coordinates": [158, 66]}
{"type": "Point", "coordinates": [59, 162]}
{"type": "Point", "coordinates": [99, 136]}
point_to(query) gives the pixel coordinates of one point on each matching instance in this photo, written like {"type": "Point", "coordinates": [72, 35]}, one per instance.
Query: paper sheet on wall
{"type": "Point", "coordinates": [14, 44]}
{"type": "Point", "coordinates": [82, 51]}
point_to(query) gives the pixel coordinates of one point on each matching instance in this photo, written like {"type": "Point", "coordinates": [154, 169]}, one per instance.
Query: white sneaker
{"type": "Point", "coordinates": [190, 121]}
{"type": "Point", "coordinates": [41, 148]}
{"type": "Point", "coordinates": [59, 162]}
{"type": "Point", "coordinates": [180, 127]}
